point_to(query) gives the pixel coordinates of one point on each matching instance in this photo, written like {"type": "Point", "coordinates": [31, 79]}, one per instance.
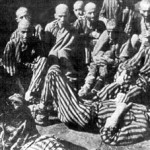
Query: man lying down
{"type": "Point", "coordinates": [18, 130]}
{"type": "Point", "coordinates": [120, 123]}
{"type": "Point", "coordinates": [121, 109]}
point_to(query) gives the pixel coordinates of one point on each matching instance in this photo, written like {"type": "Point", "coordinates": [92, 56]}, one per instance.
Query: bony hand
{"type": "Point", "coordinates": [39, 31]}
{"type": "Point", "coordinates": [94, 34]}
{"type": "Point", "coordinates": [122, 77]}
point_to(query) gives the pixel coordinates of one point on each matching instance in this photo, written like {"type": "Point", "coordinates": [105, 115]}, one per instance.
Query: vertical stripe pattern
{"type": "Point", "coordinates": [70, 108]}
{"type": "Point", "coordinates": [37, 80]}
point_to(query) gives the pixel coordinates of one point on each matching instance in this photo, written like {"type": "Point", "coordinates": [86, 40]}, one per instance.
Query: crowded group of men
{"type": "Point", "coordinates": [94, 69]}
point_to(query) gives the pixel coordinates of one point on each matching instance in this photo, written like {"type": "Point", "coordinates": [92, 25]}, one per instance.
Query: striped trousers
{"type": "Point", "coordinates": [133, 126]}
{"type": "Point", "coordinates": [37, 80]}
{"type": "Point", "coordinates": [70, 108]}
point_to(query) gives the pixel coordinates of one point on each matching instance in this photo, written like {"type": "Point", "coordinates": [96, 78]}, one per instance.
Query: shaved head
{"type": "Point", "coordinates": [90, 5]}
{"type": "Point", "coordinates": [90, 11]}
{"type": "Point", "coordinates": [22, 13]}
{"type": "Point", "coordinates": [61, 8]}
{"type": "Point", "coordinates": [78, 4]}
{"type": "Point", "coordinates": [112, 29]}
{"type": "Point", "coordinates": [25, 29]}
{"type": "Point", "coordinates": [62, 14]}
{"type": "Point", "coordinates": [145, 9]}
{"type": "Point", "coordinates": [21, 10]}
{"type": "Point", "coordinates": [78, 8]}
{"type": "Point", "coordinates": [144, 2]}
{"type": "Point", "coordinates": [24, 24]}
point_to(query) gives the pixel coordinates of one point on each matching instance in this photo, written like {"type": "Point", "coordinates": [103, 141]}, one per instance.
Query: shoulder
{"type": "Point", "coordinates": [13, 41]}
{"type": "Point", "coordinates": [11, 45]}
{"type": "Point", "coordinates": [51, 25]}
{"type": "Point", "coordinates": [15, 34]}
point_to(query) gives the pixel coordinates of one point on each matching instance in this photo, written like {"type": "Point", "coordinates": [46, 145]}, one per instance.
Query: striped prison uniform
{"type": "Point", "coordinates": [20, 59]}
{"type": "Point", "coordinates": [37, 80]}
{"type": "Point", "coordinates": [18, 132]}
{"type": "Point", "coordinates": [38, 32]}
{"type": "Point", "coordinates": [19, 55]}
{"type": "Point", "coordinates": [136, 84]}
{"type": "Point", "coordinates": [70, 107]}
{"type": "Point", "coordinates": [133, 126]}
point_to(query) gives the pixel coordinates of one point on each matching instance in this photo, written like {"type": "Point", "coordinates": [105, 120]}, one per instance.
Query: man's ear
{"type": "Point", "coordinates": [17, 20]}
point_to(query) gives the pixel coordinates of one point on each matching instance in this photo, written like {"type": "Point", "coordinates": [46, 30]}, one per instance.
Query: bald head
{"type": "Point", "coordinates": [78, 8]}
{"type": "Point", "coordinates": [90, 11]}
{"type": "Point", "coordinates": [61, 8]}
{"type": "Point", "coordinates": [144, 2]}
{"type": "Point", "coordinates": [62, 14]}
{"type": "Point", "coordinates": [90, 5]}
{"type": "Point", "coordinates": [78, 3]}
{"type": "Point", "coordinates": [22, 13]}
{"type": "Point", "coordinates": [145, 9]}
{"type": "Point", "coordinates": [112, 29]}
{"type": "Point", "coordinates": [24, 24]}
{"type": "Point", "coordinates": [25, 29]}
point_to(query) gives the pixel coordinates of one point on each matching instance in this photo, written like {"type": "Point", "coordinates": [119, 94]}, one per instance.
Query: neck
{"type": "Point", "coordinates": [90, 23]}
{"type": "Point", "coordinates": [63, 26]}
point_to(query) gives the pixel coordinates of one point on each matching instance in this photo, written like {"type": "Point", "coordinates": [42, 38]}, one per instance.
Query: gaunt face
{"type": "Point", "coordinates": [25, 34]}
{"type": "Point", "coordinates": [90, 13]}
{"type": "Point", "coordinates": [145, 10]}
{"type": "Point", "coordinates": [78, 9]}
{"type": "Point", "coordinates": [22, 16]}
{"type": "Point", "coordinates": [62, 16]}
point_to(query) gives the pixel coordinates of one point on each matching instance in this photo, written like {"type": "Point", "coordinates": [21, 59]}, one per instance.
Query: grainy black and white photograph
{"type": "Point", "coordinates": [74, 74]}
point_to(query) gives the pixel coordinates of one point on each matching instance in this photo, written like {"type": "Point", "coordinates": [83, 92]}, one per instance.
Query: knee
{"type": "Point", "coordinates": [63, 54]}
{"type": "Point", "coordinates": [134, 40]}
